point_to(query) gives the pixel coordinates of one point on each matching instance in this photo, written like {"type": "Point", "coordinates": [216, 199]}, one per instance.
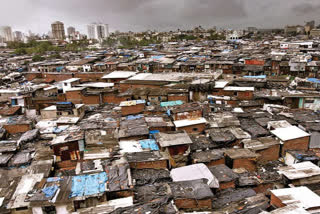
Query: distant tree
{"type": "Point", "coordinates": [110, 42]}
{"type": "Point", "coordinates": [55, 56]}
{"type": "Point", "coordinates": [20, 51]}
{"type": "Point", "coordinates": [37, 58]}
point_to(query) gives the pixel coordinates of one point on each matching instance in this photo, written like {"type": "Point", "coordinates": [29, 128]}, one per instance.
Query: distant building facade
{"type": "Point", "coordinates": [315, 33]}
{"type": "Point", "coordinates": [18, 36]}
{"type": "Point", "coordinates": [294, 30]}
{"type": "Point", "coordinates": [309, 26]}
{"type": "Point", "coordinates": [98, 31]}
{"type": "Point", "coordinates": [6, 33]}
{"type": "Point", "coordinates": [57, 29]}
{"type": "Point", "coordinates": [71, 31]}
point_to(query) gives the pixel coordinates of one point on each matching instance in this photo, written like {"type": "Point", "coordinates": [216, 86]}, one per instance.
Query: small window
{"type": "Point", "coordinates": [21, 208]}
{"type": "Point", "coordinates": [195, 129]}
{"type": "Point", "coordinates": [309, 101]}
{"type": "Point", "coordinates": [235, 93]}
{"type": "Point", "coordinates": [65, 84]}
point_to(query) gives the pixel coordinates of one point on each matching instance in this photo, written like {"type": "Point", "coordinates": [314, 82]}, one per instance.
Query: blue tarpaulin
{"type": "Point", "coordinates": [256, 77]}
{"type": "Point", "coordinates": [149, 144]}
{"type": "Point", "coordinates": [156, 57]}
{"type": "Point", "coordinates": [314, 80]}
{"type": "Point", "coordinates": [54, 179]}
{"type": "Point", "coordinates": [86, 185]}
{"type": "Point", "coordinates": [50, 191]}
{"type": "Point", "coordinates": [154, 131]}
{"type": "Point", "coordinates": [59, 129]}
{"type": "Point", "coordinates": [64, 103]}
{"type": "Point", "coordinates": [171, 103]}
{"type": "Point", "coordinates": [134, 117]}
{"type": "Point", "coordinates": [140, 101]}
{"type": "Point", "coordinates": [60, 68]}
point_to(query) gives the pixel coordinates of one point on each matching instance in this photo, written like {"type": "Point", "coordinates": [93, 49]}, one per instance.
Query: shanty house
{"type": "Point", "coordinates": [292, 138]}
{"type": "Point", "coordinates": [132, 107]}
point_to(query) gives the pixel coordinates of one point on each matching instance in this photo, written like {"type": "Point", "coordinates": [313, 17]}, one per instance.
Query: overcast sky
{"type": "Point", "coordinates": [138, 15]}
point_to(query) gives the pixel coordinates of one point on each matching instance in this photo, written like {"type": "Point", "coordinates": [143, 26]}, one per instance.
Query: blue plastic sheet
{"type": "Point", "coordinates": [156, 57]}
{"type": "Point", "coordinates": [54, 179]}
{"type": "Point", "coordinates": [64, 103]}
{"type": "Point", "coordinates": [59, 129]}
{"type": "Point", "coordinates": [171, 103]}
{"type": "Point", "coordinates": [256, 77]}
{"type": "Point", "coordinates": [50, 191]}
{"type": "Point", "coordinates": [314, 80]}
{"type": "Point", "coordinates": [140, 101]}
{"type": "Point", "coordinates": [134, 117]}
{"type": "Point", "coordinates": [60, 68]}
{"type": "Point", "coordinates": [149, 144]}
{"type": "Point", "coordinates": [86, 185]}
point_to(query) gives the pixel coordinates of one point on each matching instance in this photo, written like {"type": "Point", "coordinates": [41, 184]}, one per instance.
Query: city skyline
{"type": "Point", "coordinates": [140, 15]}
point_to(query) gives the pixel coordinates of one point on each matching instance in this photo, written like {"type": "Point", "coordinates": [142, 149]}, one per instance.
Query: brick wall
{"type": "Point", "coordinates": [248, 164]}
{"type": "Point", "coordinates": [31, 76]}
{"type": "Point", "coordinates": [91, 99]}
{"type": "Point", "coordinates": [186, 203]}
{"type": "Point", "coordinates": [160, 164]}
{"type": "Point", "coordinates": [275, 201]}
{"type": "Point", "coordinates": [74, 96]}
{"type": "Point", "coordinates": [216, 162]}
{"type": "Point", "coordinates": [295, 144]}
{"type": "Point", "coordinates": [254, 62]}
{"type": "Point", "coordinates": [125, 86]}
{"type": "Point", "coordinates": [227, 185]}
{"type": "Point", "coordinates": [270, 154]}
{"type": "Point", "coordinates": [18, 128]}
{"type": "Point", "coordinates": [263, 188]}
{"type": "Point", "coordinates": [113, 98]}
{"type": "Point", "coordinates": [85, 77]}
{"type": "Point", "coordinates": [89, 77]}
{"type": "Point", "coordinates": [187, 115]}
{"type": "Point", "coordinates": [57, 76]}
{"type": "Point", "coordinates": [240, 95]}
{"type": "Point", "coordinates": [245, 95]}
{"type": "Point", "coordinates": [136, 109]}
{"type": "Point", "coordinates": [183, 98]}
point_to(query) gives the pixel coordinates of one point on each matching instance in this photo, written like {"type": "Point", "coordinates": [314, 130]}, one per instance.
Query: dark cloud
{"type": "Point", "coordinates": [306, 8]}
{"type": "Point", "coordinates": [137, 15]}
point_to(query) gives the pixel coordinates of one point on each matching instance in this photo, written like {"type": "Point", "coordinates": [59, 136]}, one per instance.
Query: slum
{"type": "Point", "coordinates": [181, 127]}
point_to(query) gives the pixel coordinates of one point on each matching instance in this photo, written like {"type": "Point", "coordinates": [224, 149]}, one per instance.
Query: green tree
{"type": "Point", "coordinates": [20, 51]}
{"type": "Point", "coordinates": [37, 58]}
{"type": "Point", "coordinates": [110, 42]}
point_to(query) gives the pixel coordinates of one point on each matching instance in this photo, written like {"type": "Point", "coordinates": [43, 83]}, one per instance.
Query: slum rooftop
{"type": "Point", "coordinates": [195, 126]}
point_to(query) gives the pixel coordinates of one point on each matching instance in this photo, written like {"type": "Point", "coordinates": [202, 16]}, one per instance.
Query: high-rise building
{"type": "Point", "coordinates": [17, 36]}
{"type": "Point", "coordinates": [58, 30]}
{"type": "Point", "coordinates": [98, 31]}
{"type": "Point", "coordinates": [71, 31]}
{"type": "Point", "coordinates": [309, 26]}
{"type": "Point", "coordinates": [6, 33]}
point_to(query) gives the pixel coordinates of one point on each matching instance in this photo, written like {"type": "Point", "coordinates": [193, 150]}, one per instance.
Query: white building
{"type": "Point", "coordinates": [6, 33]}
{"type": "Point", "coordinates": [98, 31]}
{"type": "Point", "coordinates": [235, 35]}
